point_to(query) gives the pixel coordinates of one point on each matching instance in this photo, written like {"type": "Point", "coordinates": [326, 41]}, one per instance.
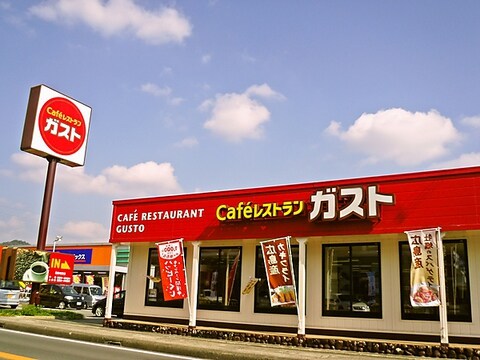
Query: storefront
{"type": "Point", "coordinates": [92, 264]}
{"type": "Point", "coordinates": [350, 254]}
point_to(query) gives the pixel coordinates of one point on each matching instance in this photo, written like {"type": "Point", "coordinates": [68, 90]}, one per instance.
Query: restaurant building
{"type": "Point", "coordinates": [351, 257]}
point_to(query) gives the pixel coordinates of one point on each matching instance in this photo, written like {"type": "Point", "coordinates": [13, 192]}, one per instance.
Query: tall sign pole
{"type": "Point", "coordinates": [47, 202]}
{"type": "Point", "coordinates": [56, 128]}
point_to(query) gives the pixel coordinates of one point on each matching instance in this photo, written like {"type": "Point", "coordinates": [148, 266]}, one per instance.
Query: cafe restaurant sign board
{"type": "Point", "coordinates": [56, 126]}
{"type": "Point", "coordinates": [371, 205]}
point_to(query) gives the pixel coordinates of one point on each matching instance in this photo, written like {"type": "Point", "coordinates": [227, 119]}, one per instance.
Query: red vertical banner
{"type": "Point", "coordinates": [172, 269]}
{"type": "Point", "coordinates": [231, 276]}
{"type": "Point", "coordinates": [279, 268]}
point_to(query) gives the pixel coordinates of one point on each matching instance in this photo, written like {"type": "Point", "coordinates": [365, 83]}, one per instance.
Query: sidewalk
{"type": "Point", "coordinates": [177, 344]}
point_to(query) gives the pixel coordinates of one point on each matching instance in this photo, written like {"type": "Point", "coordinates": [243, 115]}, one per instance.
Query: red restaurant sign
{"type": "Point", "coordinates": [56, 125]}
{"type": "Point", "coordinates": [172, 269]}
{"type": "Point", "coordinates": [375, 205]}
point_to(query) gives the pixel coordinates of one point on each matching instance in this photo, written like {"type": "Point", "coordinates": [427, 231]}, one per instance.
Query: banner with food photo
{"type": "Point", "coordinates": [424, 275]}
{"type": "Point", "coordinates": [279, 269]}
{"type": "Point", "coordinates": [172, 269]}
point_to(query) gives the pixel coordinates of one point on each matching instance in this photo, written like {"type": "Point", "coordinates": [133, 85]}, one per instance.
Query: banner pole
{"type": "Point", "coordinates": [186, 280]}
{"type": "Point", "coordinates": [45, 216]}
{"type": "Point", "coordinates": [301, 286]}
{"type": "Point", "coordinates": [111, 284]}
{"type": "Point", "coordinates": [443, 296]}
{"type": "Point", "coordinates": [194, 293]}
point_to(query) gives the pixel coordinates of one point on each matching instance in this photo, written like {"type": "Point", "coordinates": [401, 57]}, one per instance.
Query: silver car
{"type": "Point", "coordinates": [92, 293]}
{"type": "Point", "coordinates": [9, 293]}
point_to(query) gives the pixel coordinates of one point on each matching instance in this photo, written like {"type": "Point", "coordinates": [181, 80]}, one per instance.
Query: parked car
{"type": "Point", "coordinates": [25, 294]}
{"type": "Point", "coordinates": [9, 293]}
{"type": "Point", "coordinates": [360, 306]}
{"type": "Point", "coordinates": [60, 296]}
{"type": "Point", "coordinates": [117, 307]}
{"type": "Point", "coordinates": [342, 302]}
{"type": "Point", "coordinates": [92, 293]}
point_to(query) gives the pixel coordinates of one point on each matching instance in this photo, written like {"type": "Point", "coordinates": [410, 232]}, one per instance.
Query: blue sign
{"type": "Point", "coordinates": [82, 256]}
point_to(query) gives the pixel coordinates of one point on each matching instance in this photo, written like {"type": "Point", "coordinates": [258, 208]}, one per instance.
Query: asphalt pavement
{"type": "Point", "coordinates": [91, 329]}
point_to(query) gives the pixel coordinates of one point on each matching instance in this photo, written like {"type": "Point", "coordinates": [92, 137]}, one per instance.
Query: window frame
{"type": "Point", "coordinates": [351, 313]}
{"type": "Point", "coordinates": [404, 296]}
{"type": "Point", "coordinates": [216, 306]}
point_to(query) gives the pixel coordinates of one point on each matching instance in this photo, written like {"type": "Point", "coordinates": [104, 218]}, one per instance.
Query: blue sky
{"type": "Point", "coordinates": [192, 96]}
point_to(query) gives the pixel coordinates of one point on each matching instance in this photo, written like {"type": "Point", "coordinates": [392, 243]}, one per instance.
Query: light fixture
{"type": "Point", "coordinates": [57, 239]}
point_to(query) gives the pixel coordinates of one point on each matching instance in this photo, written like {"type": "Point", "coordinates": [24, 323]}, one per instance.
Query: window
{"type": "Point", "coordinates": [219, 279]}
{"type": "Point", "coordinates": [9, 285]}
{"type": "Point", "coordinates": [351, 280]}
{"type": "Point", "coordinates": [262, 296]}
{"type": "Point", "coordinates": [154, 290]}
{"type": "Point", "coordinates": [456, 281]}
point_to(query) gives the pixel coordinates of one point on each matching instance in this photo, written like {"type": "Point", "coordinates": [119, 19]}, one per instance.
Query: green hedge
{"type": "Point", "coordinates": [32, 310]}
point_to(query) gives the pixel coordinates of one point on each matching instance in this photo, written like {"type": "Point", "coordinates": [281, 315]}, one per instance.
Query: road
{"type": "Point", "coordinates": [23, 346]}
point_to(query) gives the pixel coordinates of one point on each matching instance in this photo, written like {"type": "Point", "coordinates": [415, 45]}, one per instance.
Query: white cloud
{"type": "Point", "coordinates": [187, 142]}
{"type": "Point", "coordinates": [19, 227]}
{"type": "Point", "coordinates": [156, 90]}
{"type": "Point", "coordinates": [114, 17]}
{"type": "Point", "coordinates": [473, 121]}
{"type": "Point", "coordinates": [176, 101]}
{"type": "Point", "coordinates": [166, 71]}
{"type": "Point", "coordinates": [464, 160]}
{"type": "Point", "coordinates": [144, 179]}
{"type": "Point", "coordinates": [263, 91]}
{"type": "Point", "coordinates": [236, 117]}
{"type": "Point", "coordinates": [206, 58]}
{"type": "Point", "coordinates": [82, 231]}
{"type": "Point", "coordinates": [248, 58]}
{"type": "Point", "coordinates": [162, 92]}
{"type": "Point", "coordinates": [397, 135]}
{"type": "Point", "coordinates": [11, 222]}
{"type": "Point", "coordinates": [5, 5]}
{"type": "Point", "coordinates": [33, 168]}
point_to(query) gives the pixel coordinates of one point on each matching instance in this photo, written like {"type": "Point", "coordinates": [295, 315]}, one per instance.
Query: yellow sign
{"type": "Point", "coordinates": [249, 287]}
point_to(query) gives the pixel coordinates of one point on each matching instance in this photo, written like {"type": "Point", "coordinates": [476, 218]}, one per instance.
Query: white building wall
{"type": "Point", "coordinates": [391, 321]}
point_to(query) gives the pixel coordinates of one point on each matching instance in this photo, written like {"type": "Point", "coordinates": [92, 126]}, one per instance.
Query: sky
{"type": "Point", "coordinates": [205, 95]}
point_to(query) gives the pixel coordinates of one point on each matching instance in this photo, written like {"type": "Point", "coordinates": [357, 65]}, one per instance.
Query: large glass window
{"type": "Point", "coordinates": [219, 279]}
{"type": "Point", "coordinates": [351, 280]}
{"type": "Point", "coordinates": [456, 281]}
{"type": "Point", "coordinates": [262, 294]}
{"type": "Point", "coordinates": [154, 290]}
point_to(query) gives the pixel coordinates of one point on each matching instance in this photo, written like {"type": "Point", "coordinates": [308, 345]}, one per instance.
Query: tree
{"type": "Point", "coordinates": [15, 243]}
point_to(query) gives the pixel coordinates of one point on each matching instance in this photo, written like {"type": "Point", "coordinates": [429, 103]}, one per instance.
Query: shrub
{"type": "Point", "coordinates": [32, 310]}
